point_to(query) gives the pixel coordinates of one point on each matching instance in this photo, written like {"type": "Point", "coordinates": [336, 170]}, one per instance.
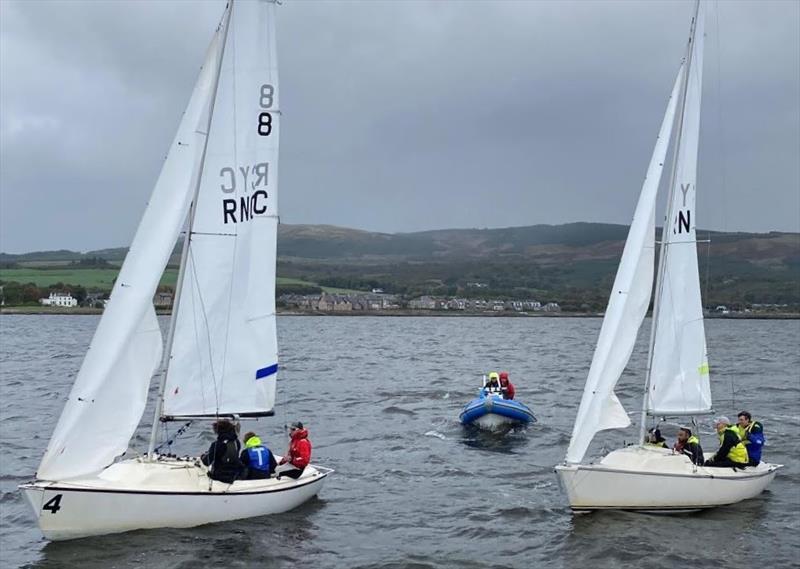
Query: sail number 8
{"type": "Point", "coordinates": [265, 102]}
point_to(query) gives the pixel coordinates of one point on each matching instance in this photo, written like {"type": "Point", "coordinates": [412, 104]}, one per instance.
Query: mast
{"type": "Point", "coordinates": [663, 249]}
{"type": "Point", "coordinates": [185, 249]}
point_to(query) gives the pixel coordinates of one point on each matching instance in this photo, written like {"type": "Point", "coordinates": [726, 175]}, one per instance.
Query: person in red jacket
{"type": "Point", "coordinates": [506, 386]}
{"type": "Point", "coordinates": [299, 454]}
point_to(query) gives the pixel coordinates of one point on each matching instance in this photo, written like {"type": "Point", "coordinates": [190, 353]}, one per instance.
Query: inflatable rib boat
{"type": "Point", "coordinates": [490, 411]}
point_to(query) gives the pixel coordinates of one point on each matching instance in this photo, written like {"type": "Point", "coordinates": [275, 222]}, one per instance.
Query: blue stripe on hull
{"type": "Point", "coordinates": [481, 406]}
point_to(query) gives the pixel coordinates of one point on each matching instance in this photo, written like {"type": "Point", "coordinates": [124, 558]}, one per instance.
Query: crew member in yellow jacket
{"type": "Point", "coordinates": [731, 450]}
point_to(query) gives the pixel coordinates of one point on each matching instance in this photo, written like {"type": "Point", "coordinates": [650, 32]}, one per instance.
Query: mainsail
{"type": "Point", "coordinates": [224, 357]}
{"type": "Point", "coordinates": [630, 296]}
{"type": "Point", "coordinates": [109, 395]}
{"type": "Point", "coordinates": [679, 379]}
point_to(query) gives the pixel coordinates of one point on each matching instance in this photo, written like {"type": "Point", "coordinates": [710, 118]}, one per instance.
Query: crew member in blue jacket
{"type": "Point", "coordinates": [752, 435]}
{"type": "Point", "coordinates": [257, 458]}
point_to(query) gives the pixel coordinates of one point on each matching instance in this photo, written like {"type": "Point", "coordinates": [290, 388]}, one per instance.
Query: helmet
{"type": "Point", "coordinates": [503, 375]}
{"type": "Point", "coordinates": [493, 375]}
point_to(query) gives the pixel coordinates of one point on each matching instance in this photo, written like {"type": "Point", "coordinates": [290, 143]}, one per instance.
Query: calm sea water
{"type": "Point", "coordinates": [381, 397]}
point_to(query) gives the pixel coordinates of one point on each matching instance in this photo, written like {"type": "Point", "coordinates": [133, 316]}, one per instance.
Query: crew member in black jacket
{"type": "Point", "coordinates": [689, 445]}
{"type": "Point", "coordinates": [223, 454]}
{"type": "Point", "coordinates": [731, 450]}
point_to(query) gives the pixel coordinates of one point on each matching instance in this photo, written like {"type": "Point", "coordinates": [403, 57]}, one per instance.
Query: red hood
{"type": "Point", "coordinates": [299, 434]}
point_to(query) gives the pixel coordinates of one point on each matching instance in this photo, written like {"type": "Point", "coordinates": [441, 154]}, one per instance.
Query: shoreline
{"type": "Point", "coordinates": [38, 310]}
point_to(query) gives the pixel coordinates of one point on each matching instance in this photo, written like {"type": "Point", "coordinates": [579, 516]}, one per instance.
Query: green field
{"type": "Point", "coordinates": [328, 289]}
{"type": "Point", "coordinates": [102, 279]}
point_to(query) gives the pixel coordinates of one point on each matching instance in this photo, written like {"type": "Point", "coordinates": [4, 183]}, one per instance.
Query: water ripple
{"type": "Point", "coordinates": [413, 489]}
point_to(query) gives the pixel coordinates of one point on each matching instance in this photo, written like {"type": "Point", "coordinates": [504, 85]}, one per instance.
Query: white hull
{"type": "Point", "coordinates": [652, 479]}
{"type": "Point", "coordinates": [134, 494]}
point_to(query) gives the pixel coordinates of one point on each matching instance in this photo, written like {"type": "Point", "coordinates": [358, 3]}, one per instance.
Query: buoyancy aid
{"type": "Point", "coordinates": [257, 453]}
{"type": "Point", "coordinates": [753, 441]}
{"type": "Point", "coordinates": [738, 453]}
{"type": "Point", "coordinates": [744, 432]}
{"type": "Point", "coordinates": [299, 449]}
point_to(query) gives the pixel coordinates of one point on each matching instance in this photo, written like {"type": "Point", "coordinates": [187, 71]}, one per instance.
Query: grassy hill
{"type": "Point", "coordinates": [572, 263]}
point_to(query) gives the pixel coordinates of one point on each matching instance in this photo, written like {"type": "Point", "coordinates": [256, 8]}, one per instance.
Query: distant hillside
{"type": "Point", "coordinates": [575, 261]}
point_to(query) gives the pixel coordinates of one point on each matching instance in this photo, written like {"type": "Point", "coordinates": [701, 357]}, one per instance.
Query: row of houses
{"type": "Point", "coordinates": [377, 302]}
{"type": "Point", "coordinates": [481, 305]}
{"type": "Point", "coordinates": [97, 300]}
{"type": "Point", "coordinates": [357, 302]}
{"type": "Point", "coordinates": [341, 302]}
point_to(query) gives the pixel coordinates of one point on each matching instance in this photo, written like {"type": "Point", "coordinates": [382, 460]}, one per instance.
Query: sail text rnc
{"type": "Point", "coordinates": [247, 178]}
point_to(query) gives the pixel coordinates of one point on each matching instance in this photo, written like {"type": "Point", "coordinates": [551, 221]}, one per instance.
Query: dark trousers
{"type": "Point", "coordinates": [293, 473]}
{"type": "Point", "coordinates": [724, 463]}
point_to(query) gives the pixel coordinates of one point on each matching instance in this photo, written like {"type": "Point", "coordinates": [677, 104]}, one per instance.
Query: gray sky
{"type": "Point", "coordinates": [402, 116]}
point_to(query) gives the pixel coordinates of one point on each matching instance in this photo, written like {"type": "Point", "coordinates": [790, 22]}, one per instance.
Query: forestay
{"type": "Point", "coordinates": [109, 395]}
{"type": "Point", "coordinates": [224, 355]}
{"type": "Point", "coordinates": [630, 296]}
{"type": "Point", "coordinates": [679, 379]}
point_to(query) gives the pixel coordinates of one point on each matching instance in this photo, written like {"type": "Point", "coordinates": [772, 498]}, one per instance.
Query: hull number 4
{"type": "Point", "coordinates": [54, 504]}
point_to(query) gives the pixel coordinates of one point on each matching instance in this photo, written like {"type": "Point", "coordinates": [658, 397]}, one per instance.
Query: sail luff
{"type": "Point", "coordinates": [217, 50]}
{"type": "Point", "coordinates": [679, 381]}
{"type": "Point", "coordinates": [630, 296]}
{"type": "Point", "coordinates": [662, 257]}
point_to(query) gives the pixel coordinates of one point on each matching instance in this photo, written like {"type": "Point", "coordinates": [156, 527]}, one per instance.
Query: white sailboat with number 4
{"type": "Point", "coordinates": [677, 383]}
{"type": "Point", "coordinates": [220, 357]}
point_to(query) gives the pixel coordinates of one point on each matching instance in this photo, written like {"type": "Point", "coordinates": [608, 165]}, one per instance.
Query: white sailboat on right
{"type": "Point", "coordinates": [643, 477]}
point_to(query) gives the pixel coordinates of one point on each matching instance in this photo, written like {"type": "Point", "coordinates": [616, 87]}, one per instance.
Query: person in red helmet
{"type": "Point", "coordinates": [506, 386]}
{"type": "Point", "coordinates": [299, 454]}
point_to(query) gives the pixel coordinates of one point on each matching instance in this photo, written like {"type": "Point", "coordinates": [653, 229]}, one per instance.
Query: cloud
{"type": "Point", "coordinates": [402, 116]}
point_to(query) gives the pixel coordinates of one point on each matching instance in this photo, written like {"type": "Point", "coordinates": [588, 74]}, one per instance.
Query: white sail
{"type": "Point", "coordinates": [630, 296]}
{"type": "Point", "coordinates": [109, 395]}
{"type": "Point", "coordinates": [224, 357]}
{"type": "Point", "coordinates": [679, 379]}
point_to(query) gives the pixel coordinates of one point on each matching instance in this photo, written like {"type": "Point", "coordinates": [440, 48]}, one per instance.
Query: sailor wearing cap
{"type": "Point", "coordinates": [299, 454]}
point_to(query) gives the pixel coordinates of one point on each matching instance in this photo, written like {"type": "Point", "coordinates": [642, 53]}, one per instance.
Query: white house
{"type": "Point", "coordinates": [59, 299]}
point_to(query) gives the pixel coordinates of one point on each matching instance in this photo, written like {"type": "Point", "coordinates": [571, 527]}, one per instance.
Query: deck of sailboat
{"type": "Point", "coordinates": [174, 476]}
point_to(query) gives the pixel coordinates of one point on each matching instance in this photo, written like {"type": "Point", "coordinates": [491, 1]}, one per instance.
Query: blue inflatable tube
{"type": "Point", "coordinates": [513, 411]}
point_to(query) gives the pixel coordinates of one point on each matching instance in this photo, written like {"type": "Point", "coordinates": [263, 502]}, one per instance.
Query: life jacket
{"type": "Point", "coordinates": [744, 432]}
{"type": "Point", "coordinates": [231, 454]}
{"type": "Point", "coordinates": [225, 465]}
{"type": "Point", "coordinates": [508, 387]}
{"type": "Point", "coordinates": [258, 454]}
{"type": "Point", "coordinates": [754, 441]}
{"type": "Point", "coordinates": [737, 453]}
{"type": "Point", "coordinates": [693, 439]}
{"type": "Point", "coordinates": [299, 454]}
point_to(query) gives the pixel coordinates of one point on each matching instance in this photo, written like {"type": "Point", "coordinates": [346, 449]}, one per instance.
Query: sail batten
{"type": "Point", "coordinates": [600, 408]}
